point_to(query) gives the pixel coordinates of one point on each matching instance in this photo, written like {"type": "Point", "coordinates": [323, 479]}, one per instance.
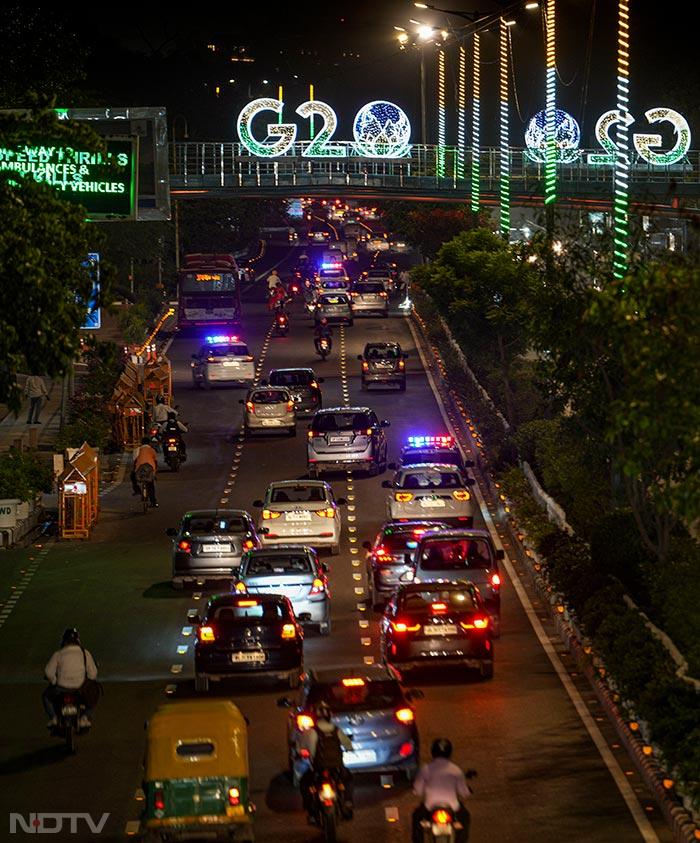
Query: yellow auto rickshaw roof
{"type": "Point", "coordinates": [196, 738]}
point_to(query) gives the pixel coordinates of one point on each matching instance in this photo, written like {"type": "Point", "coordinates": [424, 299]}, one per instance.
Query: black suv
{"type": "Point", "coordinates": [303, 385]}
{"type": "Point", "coordinates": [384, 363]}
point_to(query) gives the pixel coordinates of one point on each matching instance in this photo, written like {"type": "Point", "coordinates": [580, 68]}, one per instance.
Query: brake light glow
{"type": "Point", "coordinates": [159, 800]}
{"type": "Point", "coordinates": [329, 512]}
{"type": "Point", "coordinates": [317, 586]}
{"type": "Point", "coordinates": [402, 626]}
{"type": "Point", "coordinates": [206, 633]}
{"type": "Point", "coordinates": [442, 817]}
{"type": "Point", "coordinates": [290, 406]}
{"type": "Point", "coordinates": [269, 514]}
{"type": "Point", "coordinates": [289, 630]}
{"type": "Point", "coordinates": [327, 792]}
{"type": "Point", "coordinates": [304, 722]}
{"type": "Point", "coordinates": [246, 603]}
{"type": "Point", "coordinates": [250, 407]}
{"type": "Point", "coordinates": [184, 546]}
{"type": "Point", "coordinates": [365, 365]}
{"type": "Point", "coordinates": [439, 608]}
{"type": "Point", "coordinates": [404, 715]}
{"type": "Point", "coordinates": [495, 580]}
{"type": "Point", "coordinates": [476, 623]}
{"type": "Point", "coordinates": [461, 495]}
{"type": "Point", "coordinates": [402, 363]}
{"type": "Point", "coordinates": [403, 497]}
{"type": "Point", "coordinates": [240, 586]}
{"type": "Point", "coordinates": [353, 682]}
{"type": "Point", "coordinates": [248, 544]}
{"type": "Point", "coordinates": [406, 749]}
{"type": "Point", "coordinates": [234, 796]}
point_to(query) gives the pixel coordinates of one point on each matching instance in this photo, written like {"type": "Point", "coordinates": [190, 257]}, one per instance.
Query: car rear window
{"type": "Point", "coordinates": [419, 601]}
{"type": "Point", "coordinates": [269, 396]}
{"type": "Point", "coordinates": [333, 299]}
{"type": "Point", "coordinates": [262, 566]}
{"type": "Point", "coordinates": [225, 351]}
{"type": "Point", "coordinates": [358, 697]}
{"type": "Point", "coordinates": [374, 287]}
{"type": "Point", "coordinates": [326, 422]}
{"type": "Point", "coordinates": [399, 542]}
{"type": "Point", "coordinates": [196, 525]}
{"type": "Point", "coordinates": [431, 479]}
{"type": "Point", "coordinates": [455, 555]}
{"type": "Point", "coordinates": [379, 353]}
{"type": "Point", "coordinates": [245, 609]}
{"type": "Point", "coordinates": [290, 378]}
{"type": "Point", "coordinates": [298, 494]}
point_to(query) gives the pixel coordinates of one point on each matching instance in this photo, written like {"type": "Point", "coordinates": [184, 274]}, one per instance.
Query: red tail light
{"type": "Point", "coordinates": [248, 544]}
{"type": "Point", "coordinates": [289, 630]}
{"type": "Point", "coordinates": [461, 495]}
{"type": "Point", "coordinates": [304, 722]}
{"type": "Point", "coordinates": [439, 608]}
{"type": "Point", "coordinates": [402, 626]}
{"type": "Point", "coordinates": [495, 580]}
{"type": "Point", "coordinates": [404, 715]}
{"type": "Point", "coordinates": [184, 547]}
{"type": "Point", "coordinates": [442, 816]}
{"type": "Point", "coordinates": [329, 512]}
{"type": "Point", "coordinates": [402, 364]}
{"type": "Point", "coordinates": [158, 800]}
{"type": "Point", "coordinates": [250, 407]}
{"type": "Point", "coordinates": [206, 633]}
{"type": "Point", "coordinates": [365, 367]}
{"type": "Point", "coordinates": [172, 440]}
{"type": "Point", "coordinates": [290, 406]}
{"type": "Point", "coordinates": [475, 623]}
{"type": "Point", "coordinates": [234, 796]}
{"type": "Point", "coordinates": [318, 586]}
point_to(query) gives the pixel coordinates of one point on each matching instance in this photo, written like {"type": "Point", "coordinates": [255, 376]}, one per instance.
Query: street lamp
{"type": "Point", "coordinates": [424, 35]}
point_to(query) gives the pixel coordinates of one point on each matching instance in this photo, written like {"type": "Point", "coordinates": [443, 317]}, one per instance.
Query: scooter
{"type": "Point", "coordinates": [327, 807]}
{"type": "Point", "coordinates": [70, 708]}
{"type": "Point", "coordinates": [173, 452]}
{"type": "Point", "coordinates": [442, 824]}
{"type": "Point", "coordinates": [281, 326]}
{"type": "Point", "coordinates": [323, 347]}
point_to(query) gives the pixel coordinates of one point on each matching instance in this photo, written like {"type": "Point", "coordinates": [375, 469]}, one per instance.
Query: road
{"type": "Point", "coordinates": [550, 766]}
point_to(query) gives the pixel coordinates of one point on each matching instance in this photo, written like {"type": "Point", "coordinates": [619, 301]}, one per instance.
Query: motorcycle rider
{"type": "Point", "coordinates": [161, 410]}
{"type": "Point", "coordinates": [145, 454]}
{"type": "Point", "coordinates": [67, 670]}
{"type": "Point", "coordinates": [441, 782]}
{"type": "Point", "coordinates": [309, 743]}
{"type": "Point", "coordinates": [273, 280]}
{"type": "Point", "coordinates": [323, 329]}
{"type": "Point", "coordinates": [278, 297]}
{"type": "Point", "coordinates": [172, 426]}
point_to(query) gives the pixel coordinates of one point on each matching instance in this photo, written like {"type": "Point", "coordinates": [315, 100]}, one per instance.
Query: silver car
{"type": "Point", "coordinates": [208, 544]}
{"type": "Point", "coordinates": [369, 297]}
{"type": "Point", "coordinates": [223, 360]}
{"type": "Point", "coordinates": [335, 307]}
{"type": "Point", "coordinates": [430, 490]}
{"type": "Point", "coordinates": [345, 438]}
{"type": "Point", "coordinates": [295, 571]}
{"type": "Point", "coordinates": [300, 512]}
{"type": "Point", "coordinates": [269, 410]}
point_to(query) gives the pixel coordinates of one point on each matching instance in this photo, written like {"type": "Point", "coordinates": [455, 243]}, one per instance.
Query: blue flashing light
{"type": "Point", "coordinates": [333, 265]}
{"type": "Point", "coordinates": [431, 442]}
{"type": "Point", "coordinates": [223, 338]}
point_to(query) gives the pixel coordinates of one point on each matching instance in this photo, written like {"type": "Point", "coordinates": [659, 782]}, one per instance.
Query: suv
{"type": "Point", "coordinates": [384, 363]}
{"type": "Point", "coordinates": [343, 438]}
{"type": "Point", "coordinates": [303, 386]}
{"type": "Point", "coordinates": [455, 555]}
{"type": "Point", "coordinates": [369, 297]}
{"type": "Point", "coordinates": [335, 307]}
{"type": "Point", "coordinates": [367, 702]}
{"type": "Point", "coordinates": [223, 359]}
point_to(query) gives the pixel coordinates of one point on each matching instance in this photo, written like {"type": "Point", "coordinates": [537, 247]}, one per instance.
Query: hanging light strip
{"type": "Point", "coordinates": [476, 124]}
{"type": "Point", "coordinates": [622, 139]}
{"type": "Point", "coordinates": [505, 168]}
{"type": "Point", "coordinates": [461, 111]}
{"type": "Point", "coordinates": [442, 140]}
{"type": "Point", "coordinates": [550, 177]}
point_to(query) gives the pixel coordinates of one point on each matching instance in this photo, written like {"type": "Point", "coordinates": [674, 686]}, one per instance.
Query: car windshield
{"type": "Point", "coordinates": [431, 479]}
{"type": "Point", "coordinates": [379, 353]}
{"type": "Point", "coordinates": [290, 378]}
{"type": "Point", "coordinates": [298, 494]}
{"type": "Point", "coordinates": [246, 609]}
{"type": "Point", "coordinates": [358, 695]}
{"type": "Point", "coordinates": [419, 601]}
{"type": "Point", "coordinates": [261, 566]}
{"type": "Point", "coordinates": [205, 525]}
{"type": "Point", "coordinates": [456, 554]}
{"type": "Point", "coordinates": [341, 421]}
{"type": "Point", "coordinates": [269, 396]}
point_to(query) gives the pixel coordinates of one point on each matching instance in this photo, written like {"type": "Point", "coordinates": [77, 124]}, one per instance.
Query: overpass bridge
{"type": "Point", "coordinates": [430, 173]}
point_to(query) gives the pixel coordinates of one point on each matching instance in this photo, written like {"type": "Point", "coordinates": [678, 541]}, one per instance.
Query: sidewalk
{"type": "Point", "coordinates": [16, 433]}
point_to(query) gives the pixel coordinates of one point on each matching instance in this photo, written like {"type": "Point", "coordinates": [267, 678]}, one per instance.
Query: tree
{"type": "Point", "coordinates": [428, 226]}
{"type": "Point", "coordinates": [45, 285]}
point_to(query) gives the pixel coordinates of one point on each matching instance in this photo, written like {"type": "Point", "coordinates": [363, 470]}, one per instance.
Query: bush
{"type": "Point", "coordinates": [23, 475]}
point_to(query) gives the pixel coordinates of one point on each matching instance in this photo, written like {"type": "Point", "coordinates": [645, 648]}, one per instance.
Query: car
{"type": "Point", "coordinates": [398, 244]}
{"type": "Point", "coordinates": [460, 555]}
{"type": "Point", "coordinates": [244, 636]}
{"type": "Point", "coordinates": [223, 359]}
{"type": "Point", "coordinates": [383, 363]}
{"type": "Point", "coordinates": [433, 448]}
{"type": "Point", "coordinates": [377, 244]}
{"type": "Point", "coordinates": [383, 276]}
{"type": "Point", "coordinates": [345, 438]}
{"type": "Point", "coordinates": [269, 409]}
{"type": "Point", "coordinates": [367, 702]}
{"type": "Point", "coordinates": [438, 490]}
{"type": "Point", "coordinates": [437, 625]}
{"type": "Point", "coordinates": [304, 386]}
{"type": "Point", "coordinates": [295, 571]}
{"type": "Point", "coordinates": [369, 297]}
{"type": "Point", "coordinates": [334, 307]}
{"type": "Point", "coordinates": [319, 235]}
{"type": "Point", "coordinates": [208, 544]}
{"type": "Point", "coordinates": [300, 511]}
{"type": "Point", "coordinates": [391, 554]}
{"type": "Point", "coordinates": [334, 284]}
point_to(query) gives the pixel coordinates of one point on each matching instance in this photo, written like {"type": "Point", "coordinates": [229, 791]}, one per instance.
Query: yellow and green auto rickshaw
{"type": "Point", "coordinates": [196, 773]}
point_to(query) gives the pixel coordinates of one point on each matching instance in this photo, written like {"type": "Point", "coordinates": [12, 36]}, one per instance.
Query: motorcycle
{"type": "Point", "coordinates": [328, 804]}
{"type": "Point", "coordinates": [281, 326]}
{"type": "Point", "coordinates": [70, 708]}
{"type": "Point", "coordinates": [323, 347]}
{"type": "Point", "coordinates": [442, 823]}
{"type": "Point", "coordinates": [154, 435]}
{"type": "Point", "coordinates": [173, 452]}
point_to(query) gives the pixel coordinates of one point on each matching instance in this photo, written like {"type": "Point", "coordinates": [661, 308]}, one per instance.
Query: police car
{"type": "Point", "coordinates": [223, 359]}
{"type": "Point", "coordinates": [434, 448]}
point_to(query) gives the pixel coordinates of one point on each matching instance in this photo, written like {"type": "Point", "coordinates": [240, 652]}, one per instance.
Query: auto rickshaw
{"type": "Point", "coordinates": [196, 773]}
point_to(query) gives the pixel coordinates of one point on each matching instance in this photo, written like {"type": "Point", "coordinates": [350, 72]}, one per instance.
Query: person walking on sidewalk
{"type": "Point", "coordinates": [35, 390]}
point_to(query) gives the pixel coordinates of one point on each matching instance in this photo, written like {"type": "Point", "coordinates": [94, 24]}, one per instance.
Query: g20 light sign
{"type": "Point", "coordinates": [381, 130]}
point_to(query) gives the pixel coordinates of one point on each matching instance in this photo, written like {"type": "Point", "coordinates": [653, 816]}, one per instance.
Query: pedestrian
{"type": "Point", "coordinates": [35, 390]}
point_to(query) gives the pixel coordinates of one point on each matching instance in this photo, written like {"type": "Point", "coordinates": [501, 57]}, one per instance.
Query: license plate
{"type": "Point", "coordinates": [339, 440]}
{"type": "Point", "coordinates": [238, 658]}
{"type": "Point", "coordinates": [172, 447]}
{"type": "Point", "coordinates": [429, 503]}
{"type": "Point", "coordinates": [216, 548]}
{"type": "Point", "coordinates": [271, 422]}
{"type": "Point", "coordinates": [442, 629]}
{"type": "Point", "coordinates": [68, 710]}
{"type": "Point", "coordinates": [233, 363]}
{"type": "Point", "coordinates": [297, 516]}
{"type": "Point", "coordinates": [359, 756]}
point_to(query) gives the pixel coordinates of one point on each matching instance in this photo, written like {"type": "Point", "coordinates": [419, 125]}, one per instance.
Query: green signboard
{"type": "Point", "coordinates": [104, 184]}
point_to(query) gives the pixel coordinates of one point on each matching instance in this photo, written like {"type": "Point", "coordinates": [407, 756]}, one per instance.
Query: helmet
{"type": "Point", "coordinates": [145, 440]}
{"type": "Point", "coordinates": [160, 399]}
{"type": "Point", "coordinates": [172, 416]}
{"type": "Point", "coordinates": [322, 710]}
{"type": "Point", "coordinates": [441, 748]}
{"type": "Point", "coordinates": [324, 321]}
{"type": "Point", "coordinates": [70, 636]}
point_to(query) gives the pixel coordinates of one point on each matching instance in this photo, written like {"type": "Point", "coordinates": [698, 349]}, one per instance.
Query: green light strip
{"type": "Point", "coordinates": [476, 125]}
{"type": "Point", "coordinates": [622, 144]}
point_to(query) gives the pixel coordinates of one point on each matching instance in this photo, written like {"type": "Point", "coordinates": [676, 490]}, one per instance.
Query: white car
{"type": "Point", "coordinates": [430, 490]}
{"type": "Point", "coordinates": [223, 360]}
{"type": "Point", "coordinates": [300, 512]}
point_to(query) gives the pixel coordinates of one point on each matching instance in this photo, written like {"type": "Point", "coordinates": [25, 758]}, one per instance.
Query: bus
{"type": "Point", "coordinates": [208, 291]}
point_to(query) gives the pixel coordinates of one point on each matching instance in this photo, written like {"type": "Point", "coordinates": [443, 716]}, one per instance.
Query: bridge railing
{"type": "Point", "coordinates": [230, 166]}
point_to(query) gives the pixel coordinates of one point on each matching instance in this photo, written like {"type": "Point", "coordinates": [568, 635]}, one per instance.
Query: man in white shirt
{"type": "Point", "coordinates": [440, 782]}
{"type": "Point", "coordinates": [67, 670]}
